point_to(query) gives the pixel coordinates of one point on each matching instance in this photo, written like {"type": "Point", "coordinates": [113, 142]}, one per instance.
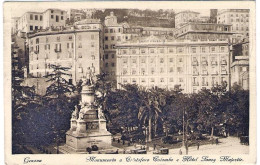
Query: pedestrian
{"type": "Point", "coordinates": [124, 151]}
{"type": "Point", "coordinates": [217, 141]}
{"type": "Point", "coordinates": [198, 145]}
{"type": "Point", "coordinates": [180, 152]}
{"type": "Point", "coordinates": [154, 146]}
{"type": "Point", "coordinates": [114, 139]}
{"type": "Point", "coordinates": [123, 142]}
{"type": "Point", "coordinates": [118, 140]}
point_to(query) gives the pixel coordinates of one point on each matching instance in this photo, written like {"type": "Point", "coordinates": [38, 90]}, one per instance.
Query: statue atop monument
{"type": "Point", "coordinates": [88, 122]}
{"type": "Point", "coordinates": [89, 77]}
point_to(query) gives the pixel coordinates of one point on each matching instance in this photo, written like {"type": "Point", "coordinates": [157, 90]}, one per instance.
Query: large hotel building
{"type": "Point", "coordinates": [194, 55]}
{"type": "Point", "coordinates": [153, 61]}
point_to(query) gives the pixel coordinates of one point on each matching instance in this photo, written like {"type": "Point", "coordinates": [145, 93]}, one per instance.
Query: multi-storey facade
{"type": "Point", "coordinates": [14, 25]}
{"type": "Point", "coordinates": [184, 17]}
{"type": "Point", "coordinates": [79, 49]}
{"type": "Point", "coordinates": [33, 21]}
{"type": "Point", "coordinates": [163, 63]}
{"type": "Point", "coordinates": [203, 31]}
{"type": "Point", "coordinates": [146, 31]}
{"type": "Point", "coordinates": [114, 33]}
{"type": "Point", "coordinates": [75, 15]}
{"type": "Point", "coordinates": [238, 18]}
{"type": "Point", "coordinates": [204, 19]}
{"type": "Point", "coordinates": [240, 64]}
{"type": "Point", "coordinates": [89, 12]}
{"type": "Point", "coordinates": [30, 21]}
{"type": "Point", "coordinates": [54, 18]}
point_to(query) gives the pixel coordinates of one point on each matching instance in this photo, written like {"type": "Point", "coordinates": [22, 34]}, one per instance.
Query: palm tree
{"type": "Point", "coordinates": [149, 110]}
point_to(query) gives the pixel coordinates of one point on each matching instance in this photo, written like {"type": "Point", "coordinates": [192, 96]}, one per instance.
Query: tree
{"type": "Point", "coordinates": [149, 109]}
{"type": "Point", "coordinates": [104, 88]}
{"type": "Point", "coordinates": [59, 86]}
{"type": "Point", "coordinates": [59, 101]}
{"type": "Point", "coordinates": [210, 107]}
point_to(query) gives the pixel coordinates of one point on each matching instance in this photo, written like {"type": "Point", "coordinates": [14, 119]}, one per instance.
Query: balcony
{"type": "Point", "coordinates": [57, 50]}
{"type": "Point", "coordinates": [214, 73]}
{"type": "Point", "coordinates": [195, 83]}
{"type": "Point", "coordinates": [204, 62]}
{"type": "Point", "coordinates": [214, 83]}
{"type": "Point", "coordinates": [195, 63]}
{"type": "Point", "coordinates": [36, 52]}
{"type": "Point", "coordinates": [195, 73]}
{"type": "Point", "coordinates": [223, 62]}
{"type": "Point", "coordinates": [205, 84]}
{"type": "Point", "coordinates": [214, 63]}
{"type": "Point", "coordinates": [204, 73]}
{"type": "Point", "coordinates": [224, 72]}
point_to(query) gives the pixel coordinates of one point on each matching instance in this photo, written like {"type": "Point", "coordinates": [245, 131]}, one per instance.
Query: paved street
{"type": "Point", "coordinates": [230, 145]}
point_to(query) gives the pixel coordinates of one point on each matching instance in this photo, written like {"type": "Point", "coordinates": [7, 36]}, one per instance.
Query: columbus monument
{"type": "Point", "coordinates": [88, 123]}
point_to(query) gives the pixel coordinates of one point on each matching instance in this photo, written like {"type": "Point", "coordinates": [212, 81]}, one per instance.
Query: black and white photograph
{"type": "Point", "coordinates": [131, 80]}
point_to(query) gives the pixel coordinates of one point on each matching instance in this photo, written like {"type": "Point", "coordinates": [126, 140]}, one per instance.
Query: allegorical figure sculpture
{"type": "Point", "coordinates": [100, 113]}
{"type": "Point", "coordinates": [75, 113]}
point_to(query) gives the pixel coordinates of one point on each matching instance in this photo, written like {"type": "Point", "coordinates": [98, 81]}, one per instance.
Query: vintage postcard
{"type": "Point", "coordinates": [102, 82]}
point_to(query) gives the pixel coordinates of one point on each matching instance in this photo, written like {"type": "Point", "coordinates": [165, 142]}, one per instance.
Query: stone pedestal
{"type": "Point", "coordinates": [88, 127]}
{"type": "Point", "coordinates": [80, 142]}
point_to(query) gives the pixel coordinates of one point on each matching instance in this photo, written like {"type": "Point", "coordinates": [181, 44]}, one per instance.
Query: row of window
{"type": "Point", "coordinates": [173, 50]}
{"type": "Point", "coordinates": [119, 30]}
{"type": "Point", "coordinates": [107, 64]}
{"type": "Point", "coordinates": [237, 15]}
{"type": "Point", "coordinates": [171, 60]}
{"type": "Point", "coordinates": [111, 46]}
{"type": "Point", "coordinates": [35, 28]}
{"type": "Point", "coordinates": [143, 71]}
{"type": "Point", "coordinates": [58, 18]}
{"type": "Point", "coordinates": [58, 46]}
{"type": "Point", "coordinates": [240, 28]}
{"type": "Point", "coordinates": [69, 55]}
{"type": "Point", "coordinates": [107, 56]}
{"type": "Point", "coordinates": [239, 20]}
{"type": "Point", "coordinates": [36, 17]}
{"type": "Point", "coordinates": [204, 81]}
{"type": "Point", "coordinates": [52, 11]}
{"type": "Point", "coordinates": [39, 18]}
{"type": "Point", "coordinates": [92, 37]}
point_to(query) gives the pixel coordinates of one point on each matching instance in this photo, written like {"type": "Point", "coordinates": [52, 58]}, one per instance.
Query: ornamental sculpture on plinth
{"type": "Point", "coordinates": [88, 123]}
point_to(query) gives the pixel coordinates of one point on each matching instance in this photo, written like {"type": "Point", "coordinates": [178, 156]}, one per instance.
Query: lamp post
{"type": "Point", "coordinates": [183, 128]}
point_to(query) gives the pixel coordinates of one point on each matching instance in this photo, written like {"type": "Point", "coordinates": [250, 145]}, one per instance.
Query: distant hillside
{"type": "Point", "coordinates": [150, 21]}
{"type": "Point", "coordinates": [136, 17]}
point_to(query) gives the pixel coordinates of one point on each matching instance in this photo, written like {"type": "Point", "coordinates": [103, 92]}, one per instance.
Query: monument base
{"type": "Point", "coordinates": [78, 142]}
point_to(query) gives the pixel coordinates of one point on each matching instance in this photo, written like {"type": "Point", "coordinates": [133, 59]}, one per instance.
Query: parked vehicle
{"type": "Point", "coordinates": [162, 151]}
